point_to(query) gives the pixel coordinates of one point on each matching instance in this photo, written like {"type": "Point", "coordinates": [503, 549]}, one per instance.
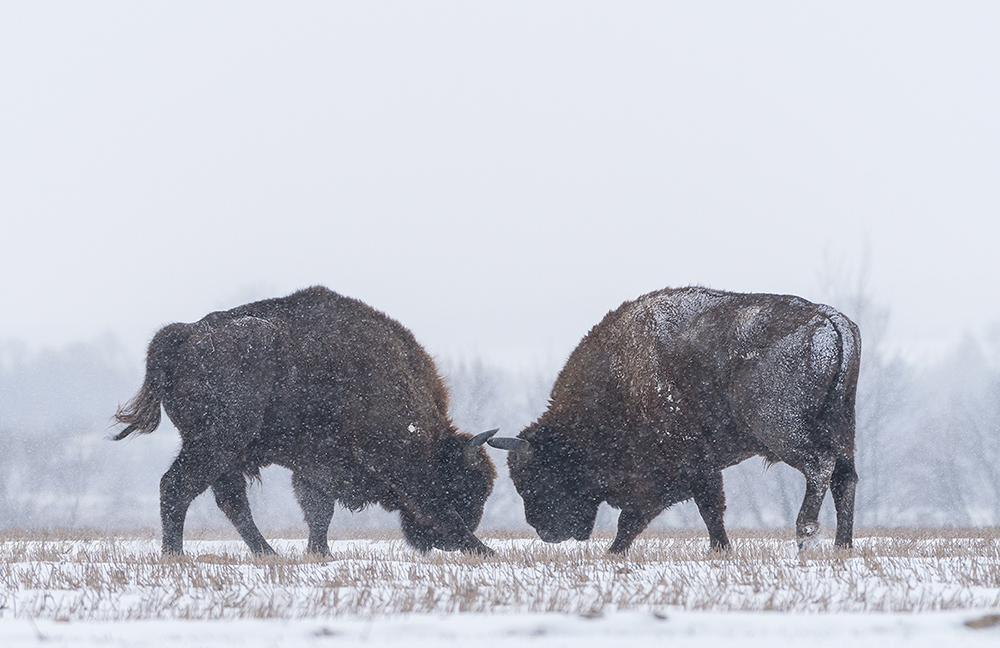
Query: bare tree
{"type": "Point", "coordinates": [883, 389]}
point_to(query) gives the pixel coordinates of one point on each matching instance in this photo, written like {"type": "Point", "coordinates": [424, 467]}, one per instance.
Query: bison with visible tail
{"type": "Point", "coordinates": [670, 389]}
{"type": "Point", "coordinates": [328, 387]}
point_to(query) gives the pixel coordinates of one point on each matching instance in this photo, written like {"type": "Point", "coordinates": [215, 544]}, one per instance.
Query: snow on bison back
{"type": "Point", "coordinates": [328, 387]}
{"type": "Point", "coordinates": [670, 389]}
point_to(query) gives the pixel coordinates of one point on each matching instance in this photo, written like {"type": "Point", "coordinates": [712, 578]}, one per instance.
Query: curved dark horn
{"type": "Point", "coordinates": [513, 444]}
{"type": "Point", "coordinates": [469, 451]}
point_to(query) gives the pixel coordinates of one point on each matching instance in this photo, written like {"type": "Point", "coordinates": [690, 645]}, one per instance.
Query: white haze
{"type": "Point", "coordinates": [495, 176]}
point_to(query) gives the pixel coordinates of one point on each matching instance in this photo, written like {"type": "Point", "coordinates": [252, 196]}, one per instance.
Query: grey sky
{"type": "Point", "coordinates": [496, 176]}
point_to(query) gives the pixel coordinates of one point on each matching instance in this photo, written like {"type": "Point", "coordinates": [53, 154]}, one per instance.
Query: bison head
{"type": "Point", "coordinates": [466, 474]}
{"type": "Point", "coordinates": [560, 502]}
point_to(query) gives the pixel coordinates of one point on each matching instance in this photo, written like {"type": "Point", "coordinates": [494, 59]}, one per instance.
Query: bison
{"type": "Point", "coordinates": [328, 387]}
{"type": "Point", "coordinates": [669, 389]}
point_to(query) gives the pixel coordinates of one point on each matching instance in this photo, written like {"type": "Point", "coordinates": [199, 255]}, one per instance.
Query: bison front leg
{"type": "Point", "coordinates": [449, 535]}
{"type": "Point", "coordinates": [630, 524]}
{"type": "Point", "coordinates": [711, 500]}
{"type": "Point", "coordinates": [317, 508]}
{"type": "Point", "coordinates": [467, 541]}
{"type": "Point", "coordinates": [231, 496]}
{"type": "Point", "coordinates": [430, 522]}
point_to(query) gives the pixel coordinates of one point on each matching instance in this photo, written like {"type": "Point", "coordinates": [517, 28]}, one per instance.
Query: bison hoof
{"type": "Point", "coordinates": [318, 553]}
{"type": "Point", "coordinates": [809, 544]}
{"type": "Point", "coordinates": [806, 533]}
{"type": "Point", "coordinates": [816, 544]}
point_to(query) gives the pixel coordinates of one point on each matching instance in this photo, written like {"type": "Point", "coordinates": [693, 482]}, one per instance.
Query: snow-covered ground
{"type": "Point", "coordinates": [634, 629]}
{"type": "Point", "coordinates": [120, 592]}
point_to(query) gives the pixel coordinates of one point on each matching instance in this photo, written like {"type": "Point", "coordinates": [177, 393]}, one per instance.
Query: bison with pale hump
{"type": "Point", "coordinates": [670, 389]}
{"type": "Point", "coordinates": [328, 387]}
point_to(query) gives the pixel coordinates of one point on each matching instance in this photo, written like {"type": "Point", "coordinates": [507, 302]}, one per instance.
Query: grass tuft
{"type": "Point", "coordinates": [90, 576]}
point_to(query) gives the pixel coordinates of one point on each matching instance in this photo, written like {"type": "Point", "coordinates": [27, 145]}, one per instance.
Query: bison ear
{"type": "Point", "coordinates": [472, 445]}
{"type": "Point", "coordinates": [515, 445]}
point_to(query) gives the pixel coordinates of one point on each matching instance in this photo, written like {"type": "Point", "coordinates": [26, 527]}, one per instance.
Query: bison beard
{"type": "Point", "coordinates": [328, 387]}
{"type": "Point", "coordinates": [670, 389]}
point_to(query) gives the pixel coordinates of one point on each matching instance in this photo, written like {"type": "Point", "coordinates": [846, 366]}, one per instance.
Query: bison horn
{"type": "Point", "coordinates": [513, 444]}
{"type": "Point", "coordinates": [469, 452]}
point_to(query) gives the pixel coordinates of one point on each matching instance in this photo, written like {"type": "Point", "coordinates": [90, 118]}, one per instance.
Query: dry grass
{"type": "Point", "coordinates": [93, 576]}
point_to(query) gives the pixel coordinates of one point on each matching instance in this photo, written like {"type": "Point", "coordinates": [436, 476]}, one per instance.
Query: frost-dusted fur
{"type": "Point", "coordinates": [326, 386]}
{"type": "Point", "coordinates": [669, 389]}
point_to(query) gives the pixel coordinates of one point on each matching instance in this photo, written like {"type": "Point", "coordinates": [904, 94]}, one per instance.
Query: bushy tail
{"type": "Point", "coordinates": [850, 364]}
{"type": "Point", "coordinates": [843, 396]}
{"type": "Point", "coordinates": [142, 413]}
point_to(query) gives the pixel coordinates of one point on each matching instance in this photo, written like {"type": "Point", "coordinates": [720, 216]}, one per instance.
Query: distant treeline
{"type": "Point", "coordinates": [928, 443]}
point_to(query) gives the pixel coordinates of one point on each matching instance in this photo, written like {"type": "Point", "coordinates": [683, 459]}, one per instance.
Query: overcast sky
{"type": "Point", "coordinates": [496, 176]}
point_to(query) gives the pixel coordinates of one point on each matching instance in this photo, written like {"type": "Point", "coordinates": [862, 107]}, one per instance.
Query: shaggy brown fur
{"type": "Point", "coordinates": [669, 389]}
{"type": "Point", "coordinates": [328, 387]}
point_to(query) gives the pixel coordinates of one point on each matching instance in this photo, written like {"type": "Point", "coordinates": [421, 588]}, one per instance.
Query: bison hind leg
{"type": "Point", "coordinates": [818, 477]}
{"type": "Point", "coordinates": [842, 486]}
{"type": "Point", "coordinates": [230, 492]}
{"type": "Point", "coordinates": [191, 473]}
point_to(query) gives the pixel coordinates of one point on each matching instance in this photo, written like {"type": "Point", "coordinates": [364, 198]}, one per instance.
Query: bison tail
{"type": "Point", "coordinates": [142, 413]}
{"type": "Point", "coordinates": [842, 400]}
{"type": "Point", "coordinates": [850, 357]}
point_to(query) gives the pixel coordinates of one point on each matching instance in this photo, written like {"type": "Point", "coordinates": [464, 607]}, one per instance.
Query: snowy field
{"type": "Point", "coordinates": [913, 588]}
